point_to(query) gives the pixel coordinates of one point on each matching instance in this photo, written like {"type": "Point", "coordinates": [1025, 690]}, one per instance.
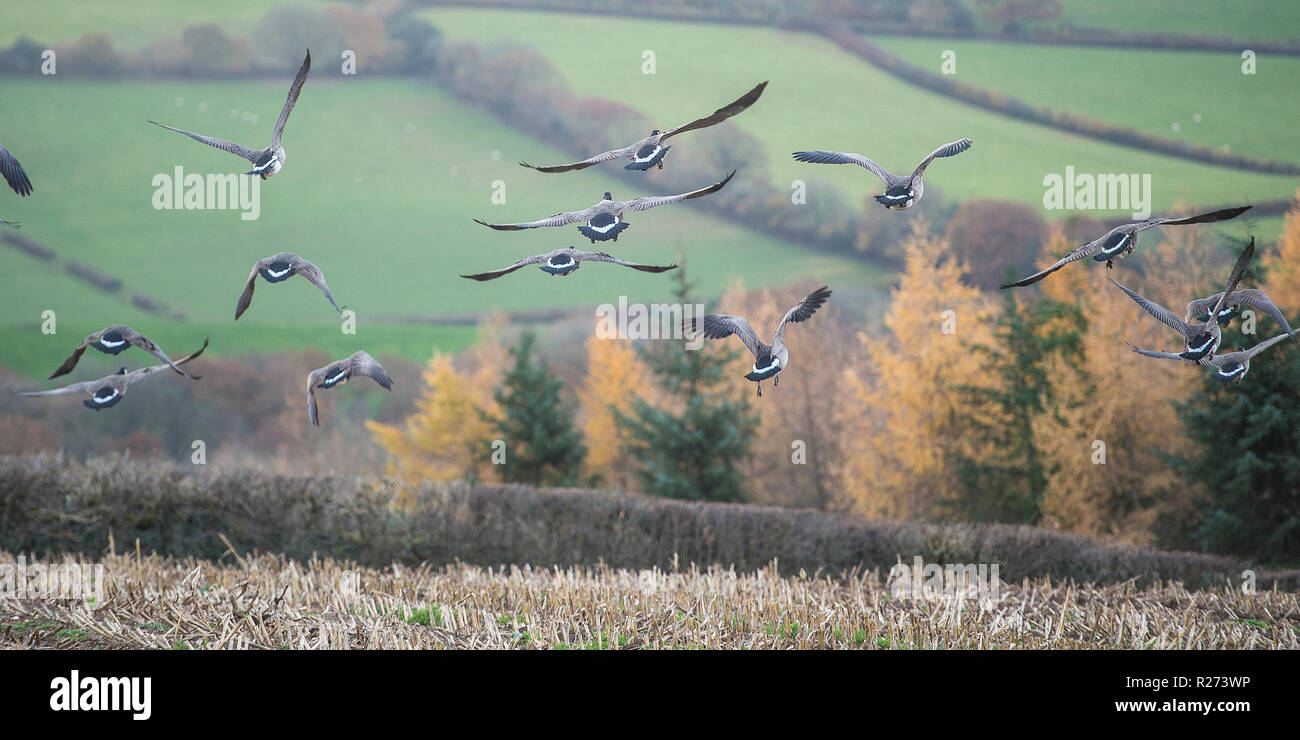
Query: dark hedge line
{"type": "Point", "coordinates": [48, 506]}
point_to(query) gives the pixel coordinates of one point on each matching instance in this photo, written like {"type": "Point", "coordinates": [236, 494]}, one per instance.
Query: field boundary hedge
{"type": "Point", "coordinates": [48, 506]}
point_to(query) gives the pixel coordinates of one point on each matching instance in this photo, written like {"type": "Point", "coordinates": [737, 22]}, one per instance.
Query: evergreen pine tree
{"type": "Point", "coordinates": [542, 445]}
{"type": "Point", "coordinates": [1250, 460]}
{"type": "Point", "coordinates": [1007, 483]}
{"type": "Point", "coordinates": [691, 446]}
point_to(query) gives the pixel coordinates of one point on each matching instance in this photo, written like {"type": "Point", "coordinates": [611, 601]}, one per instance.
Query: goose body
{"type": "Point", "coordinates": [113, 340]}
{"type": "Point", "coordinates": [901, 192]}
{"type": "Point", "coordinates": [604, 220]}
{"type": "Point", "coordinates": [108, 391]}
{"type": "Point", "coordinates": [339, 372]}
{"type": "Point", "coordinates": [271, 159]}
{"type": "Point", "coordinates": [565, 262]}
{"type": "Point", "coordinates": [16, 176]}
{"type": "Point", "coordinates": [769, 359]}
{"type": "Point", "coordinates": [1201, 339]}
{"type": "Point", "coordinates": [1251, 297]}
{"type": "Point", "coordinates": [649, 152]}
{"type": "Point", "coordinates": [1122, 240]}
{"type": "Point", "coordinates": [278, 268]}
{"type": "Point", "coordinates": [1229, 367]}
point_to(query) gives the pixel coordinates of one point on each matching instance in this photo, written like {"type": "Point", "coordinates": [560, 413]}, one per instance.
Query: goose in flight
{"type": "Point", "coordinates": [565, 261]}
{"type": "Point", "coordinates": [769, 359]}
{"type": "Point", "coordinates": [106, 392]}
{"type": "Point", "coordinates": [1202, 339]}
{"type": "Point", "coordinates": [16, 176]}
{"type": "Point", "coordinates": [268, 161]}
{"type": "Point", "coordinates": [1123, 239]}
{"type": "Point", "coordinates": [650, 151]}
{"type": "Point", "coordinates": [1229, 367]}
{"type": "Point", "coordinates": [603, 221]}
{"type": "Point", "coordinates": [277, 269]}
{"type": "Point", "coordinates": [1255, 298]}
{"type": "Point", "coordinates": [901, 193]}
{"type": "Point", "coordinates": [113, 340]}
{"type": "Point", "coordinates": [339, 372]}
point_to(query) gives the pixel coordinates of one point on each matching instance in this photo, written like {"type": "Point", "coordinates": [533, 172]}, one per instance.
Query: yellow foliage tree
{"type": "Point", "coordinates": [446, 438]}
{"type": "Point", "coordinates": [615, 375]}
{"type": "Point", "coordinates": [1103, 443]}
{"type": "Point", "coordinates": [1283, 266]}
{"type": "Point", "coordinates": [903, 431]}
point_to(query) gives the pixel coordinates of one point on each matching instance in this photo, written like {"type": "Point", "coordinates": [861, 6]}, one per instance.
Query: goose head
{"type": "Point", "coordinates": [608, 196]}
{"type": "Point", "coordinates": [655, 132]}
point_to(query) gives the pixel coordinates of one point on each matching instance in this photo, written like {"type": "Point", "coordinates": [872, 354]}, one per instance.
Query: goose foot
{"type": "Point", "coordinates": [1110, 264]}
{"type": "Point", "coordinates": [776, 380]}
{"type": "Point", "coordinates": [760, 390]}
{"type": "Point", "coordinates": [661, 164]}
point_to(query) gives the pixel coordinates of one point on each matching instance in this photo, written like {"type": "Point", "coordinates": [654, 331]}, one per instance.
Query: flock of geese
{"type": "Point", "coordinates": [1201, 329]}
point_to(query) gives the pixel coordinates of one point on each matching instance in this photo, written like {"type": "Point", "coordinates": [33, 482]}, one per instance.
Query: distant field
{"type": "Point", "coordinates": [1244, 19]}
{"type": "Point", "coordinates": [822, 97]}
{"type": "Point", "coordinates": [1147, 90]}
{"type": "Point", "coordinates": [380, 196]}
{"type": "Point", "coordinates": [130, 24]}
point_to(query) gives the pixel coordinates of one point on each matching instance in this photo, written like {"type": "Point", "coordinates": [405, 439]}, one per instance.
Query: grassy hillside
{"type": "Point", "coordinates": [1150, 91]}
{"type": "Point", "coordinates": [822, 97]}
{"type": "Point", "coordinates": [130, 24]}
{"type": "Point", "coordinates": [1245, 19]}
{"type": "Point", "coordinates": [382, 181]}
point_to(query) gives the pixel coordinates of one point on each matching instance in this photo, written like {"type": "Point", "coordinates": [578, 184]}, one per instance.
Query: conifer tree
{"type": "Point", "coordinates": [691, 446]}
{"type": "Point", "coordinates": [542, 445]}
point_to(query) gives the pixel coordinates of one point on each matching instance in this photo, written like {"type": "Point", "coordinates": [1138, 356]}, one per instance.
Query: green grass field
{"type": "Point", "coordinates": [129, 24]}
{"type": "Point", "coordinates": [1243, 19]}
{"type": "Point", "coordinates": [1150, 91]}
{"type": "Point", "coordinates": [822, 97]}
{"type": "Point", "coordinates": [379, 196]}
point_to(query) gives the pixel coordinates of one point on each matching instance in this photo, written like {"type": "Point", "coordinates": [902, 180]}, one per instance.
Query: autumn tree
{"type": "Point", "coordinates": [906, 406]}
{"type": "Point", "coordinates": [992, 236]}
{"type": "Point", "coordinates": [615, 376]}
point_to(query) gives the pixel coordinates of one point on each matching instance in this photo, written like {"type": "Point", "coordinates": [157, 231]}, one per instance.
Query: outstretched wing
{"type": "Point", "coordinates": [602, 157]}
{"type": "Point", "coordinates": [1162, 314]}
{"type": "Point", "coordinates": [506, 270]}
{"type": "Point", "coordinates": [947, 150]}
{"type": "Point", "coordinates": [1079, 253]}
{"type": "Point", "coordinates": [14, 173]}
{"type": "Point", "coordinates": [143, 372]}
{"type": "Point", "coordinates": [84, 388]}
{"type": "Point", "coordinates": [723, 113]}
{"type": "Point", "coordinates": [603, 257]}
{"type": "Point", "coordinates": [312, 272]}
{"type": "Point", "coordinates": [289, 102]}
{"type": "Point", "coordinates": [1238, 270]}
{"type": "Point", "coordinates": [147, 344]}
{"type": "Point", "coordinates": [225, 146]}
{"type": "Point", "coordinates": [803, 310]}
{"type": "Point", "coordinates": [246, 297]}
{"type": "Point", "coordinates": [75, 357]}
{"type": "Point", "coordinates": [1227, 358]}
{"type": "Point", "coordinates": [1203, 218]}
{"type": "Point", "coordinates": [559, 219]}
{"type": "Point", "coordinates": [717, 326]}
{"type": "Point", "coordinates": [821, 156]}
{"type": "Point", "coordinates": [1152, 353]}
{"type": "Point", "coordinates": [363, 364]}
{"type": "Point", "coordinates": [1260, 301]}
{"type": "Point", "coordinates": [646, 202]}
{"type": "Point", "coordinates": [313, 378]}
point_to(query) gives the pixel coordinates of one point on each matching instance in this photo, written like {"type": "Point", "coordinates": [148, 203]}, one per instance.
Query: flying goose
{"type": "Point", "coordinates": [107, 391]}
{"type": "Point", "coordinates": [1202, 339]}
{"type": "Point", "coordinates": [1123, 239]}
{"type": "Point", "coordinates": [565, 261]}
{"type": "Point", "coordinates": [114, 340]}
{"type": "Point", "coordinates": [901, 193]}
{"type": "Point", "coordinates": [603, 221]}
{"type": "Point", "coordinates": [268, 161]}
{"type": "Point", "coordinates": [769, 359]}
{"type": "Point", "coordinates": [1229, 367]}
{"type": "Point", "coordinates": [277, 269]}
{"type": "Point", "coordinates": [1255, 298]}
{"type": "Point", "coordinates": [16, 177]}
{"type": "Point", "coordinates": [339, 372]}
{"type": "Point", "coordinates": [650, 151]}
